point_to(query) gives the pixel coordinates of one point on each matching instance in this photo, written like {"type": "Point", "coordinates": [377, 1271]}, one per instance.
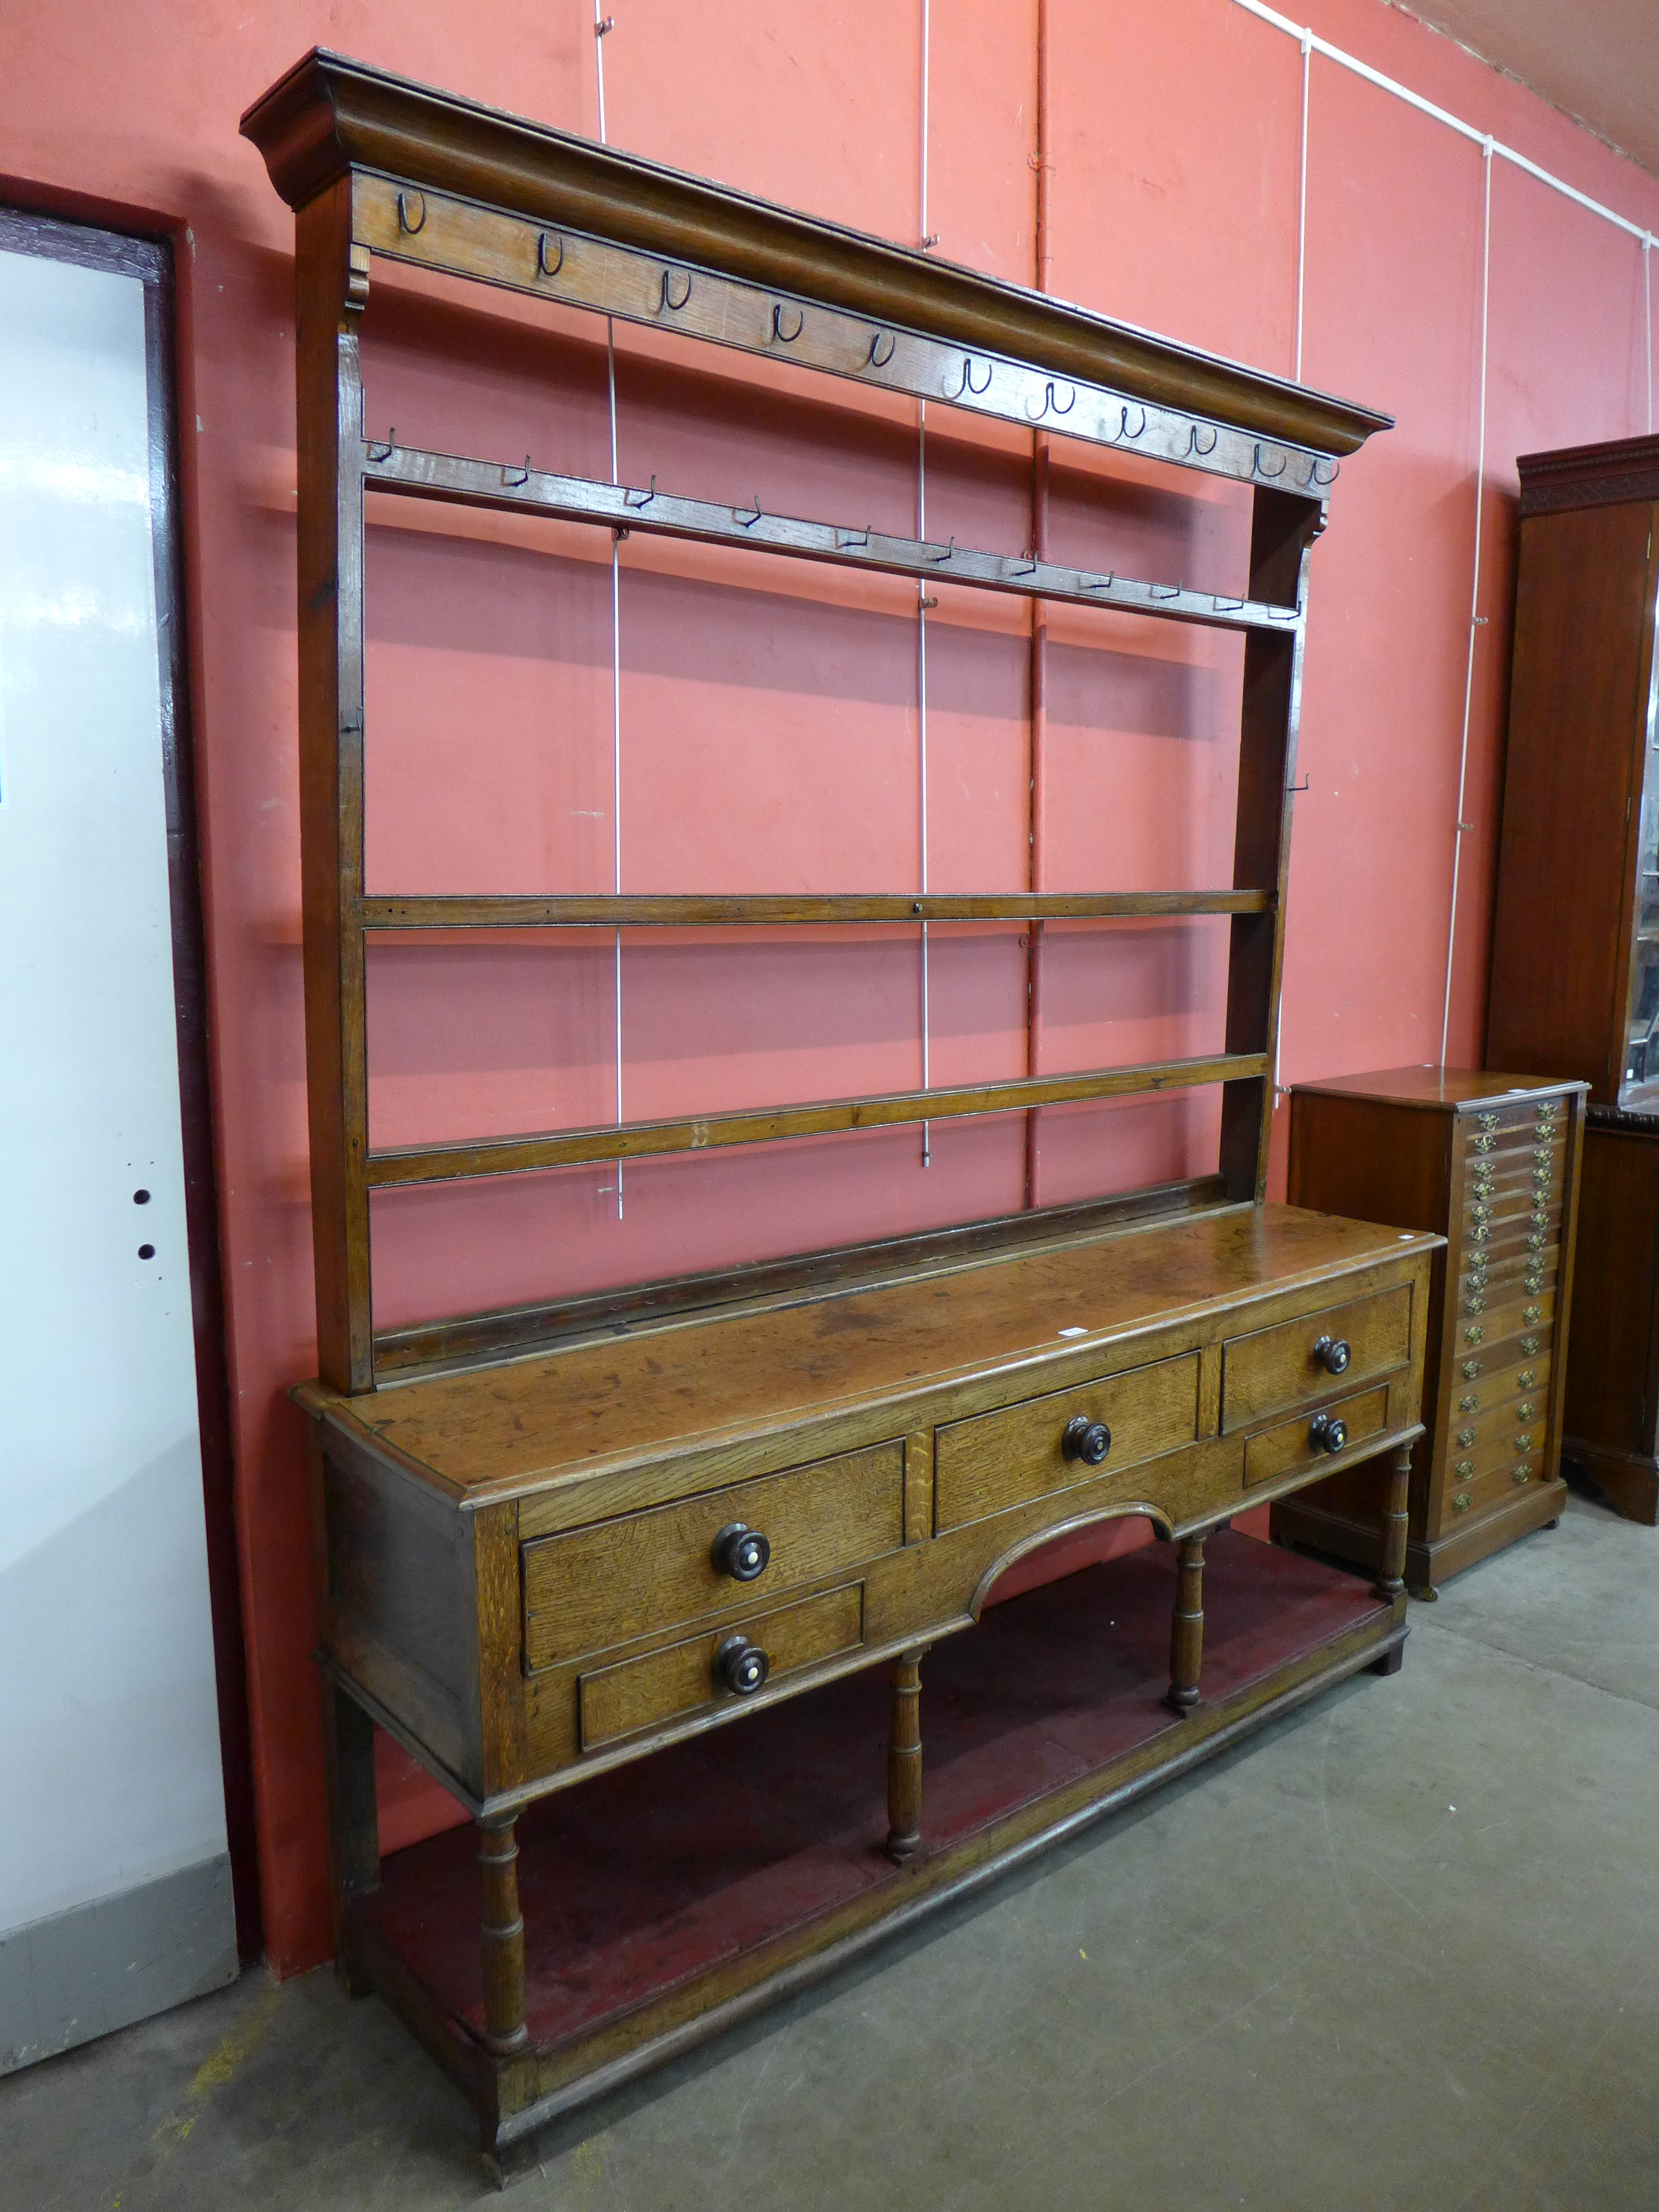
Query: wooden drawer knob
{"type": "Point", "coordinates": [1334, 1353]}
{"type": "Point", "coordinates": [1089, 1441]}
{"type": "Point", "coordinates": [741, 1666]}
{"type": "Point", "coordinates": [1328, 1433]}
{"type": "Point", "coordinates": [740, 1551]}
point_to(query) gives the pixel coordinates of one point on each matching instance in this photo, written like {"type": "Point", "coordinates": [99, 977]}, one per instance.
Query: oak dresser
{"type": "Point", "coordinates": [561, 1550]}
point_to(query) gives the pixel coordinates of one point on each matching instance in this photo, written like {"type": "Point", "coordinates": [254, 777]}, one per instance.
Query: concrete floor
{"type": "Point", "coordinates": [1401, 1951]}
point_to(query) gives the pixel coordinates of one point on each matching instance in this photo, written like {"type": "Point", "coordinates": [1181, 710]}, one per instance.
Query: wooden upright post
{"type": "Point", "coordinates": [354, 1832]}
{"type": "Point", "coordinates": [904, 1758]}
{"type": "Point", "coordinates": [1283, 527]}
{"type": "Point", "coordinates": [332, 288]}
{"type": "Point", "coordinates": [1187, 1631]}
{"type": "Point", "coordinates": [1391, 1555]}
{"type": "Point", "coordinates": [504, 2031]}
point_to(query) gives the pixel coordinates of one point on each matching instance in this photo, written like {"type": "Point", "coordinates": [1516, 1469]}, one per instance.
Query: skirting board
{"type": "Point", "coordinates": [103, 1966]}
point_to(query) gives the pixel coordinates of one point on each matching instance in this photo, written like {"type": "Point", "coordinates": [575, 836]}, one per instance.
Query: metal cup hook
{"type": "Point", "coordinates": [1050, 405]}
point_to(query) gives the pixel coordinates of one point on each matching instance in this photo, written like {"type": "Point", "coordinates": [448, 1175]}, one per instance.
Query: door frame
{"type": "Point", "coordinates": [150, 259]}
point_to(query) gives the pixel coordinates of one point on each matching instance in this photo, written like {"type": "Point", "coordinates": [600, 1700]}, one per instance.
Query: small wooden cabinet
{"type": "Point", "coordinates": [1492, 1163]}
{"type": "Point", "coordinates": [1575, 972]}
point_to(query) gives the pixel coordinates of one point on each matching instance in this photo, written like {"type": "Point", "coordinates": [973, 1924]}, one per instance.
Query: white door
{"type": "Point", "coordinates": [114, 1882]}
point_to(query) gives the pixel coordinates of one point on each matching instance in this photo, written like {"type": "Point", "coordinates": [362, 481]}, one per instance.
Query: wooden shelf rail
{"type": "Point", "coordinates": [757, 909]}
{"type": "Point", "coordinates": [451, 1163]}
{"type": "Point", "coordinates": [414, 474]}
{"type": "Point", "coordinates": [1049, 385]}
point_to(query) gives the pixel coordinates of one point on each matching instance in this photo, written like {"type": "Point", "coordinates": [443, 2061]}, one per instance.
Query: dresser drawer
{"type": "Point", "coordinates": [1525, 1167]}
{"type": "Point", "coordinates": [1494, 1483]}
{"type": "Point", "coordinates": [1516, 1241]}
{"type": "Point", "coordinates": [1527, 1383]}
{"type": "Point", "coordinates": [1291, 1447]}
{"type": "Point", "coordinates": [1513, 1330]}
{"type": "Point", "coordinates": [996, 1460]}
{"type": "Point", "coordinates": [1508, 1417]}
{"type": "Point", "coordinates": [599, 1586]}
{"type": "Point", "coordinates": [669, 1686]}
{"type": "Point", "coordinates": [1278, 1368]}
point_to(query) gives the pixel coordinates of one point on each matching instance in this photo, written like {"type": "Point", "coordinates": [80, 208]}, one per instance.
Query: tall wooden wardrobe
{"type": "Point", "coordinates": [1575, 977]}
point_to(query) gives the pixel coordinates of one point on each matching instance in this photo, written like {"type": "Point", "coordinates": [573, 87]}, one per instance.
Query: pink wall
{"type": "Point", "coordinates": [769, 725]}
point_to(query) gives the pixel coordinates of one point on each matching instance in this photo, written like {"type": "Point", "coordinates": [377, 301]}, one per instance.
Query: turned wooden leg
{"type": "Point", "coordinates": [1391, 1555]}
{"type": "Point", "coordinates": [354, 1826]}
{"type": "Point", "coordinates": [904, 1758]}
{"type": "Point", "coordinates": [1187, 1632]}
{"type": "Point", "coordinates": [503, 1942]}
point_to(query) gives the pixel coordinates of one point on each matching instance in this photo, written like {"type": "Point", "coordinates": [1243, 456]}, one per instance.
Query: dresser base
{"type": "Point", "coordinates": [1428, 1561]}
{"type": "Point", "coordinates": [670, 1898]}
{"type": "Point", "coordinates": [1628, 1480]}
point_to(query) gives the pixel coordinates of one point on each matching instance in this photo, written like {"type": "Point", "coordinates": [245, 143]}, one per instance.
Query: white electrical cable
{"type": "Point", "coordinates": [602, 24]}
{"type": "Point", "coordinates": [1486, 152]}
{"type": "Point", "coordinates": [1399, 91]}
{"type": "Point", "coordinates": [921, 626]}
{"type": "Point", "coordinates": [1301, 273]}
{"type": "Point", "coordinates": [1310, 43]}
{"type": "Point", "coordinates": [1302, 202]}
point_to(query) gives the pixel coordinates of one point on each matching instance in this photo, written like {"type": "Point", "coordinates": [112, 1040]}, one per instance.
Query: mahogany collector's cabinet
{"type": "Point", "coordinates": [558, 1550]}
{"type": "Point", "coordinates": [1575, 973]}
{"type": "Point", "coordinates": [1491, 1162]}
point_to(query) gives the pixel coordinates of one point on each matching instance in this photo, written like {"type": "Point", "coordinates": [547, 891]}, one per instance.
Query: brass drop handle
{"type": "Point", "coordinates": [1334, 1353]}
{"type": "Point", "coordinates": [1089, 1441]}
{"type": "Point", "coordinates": [741, 1666]}
{"type": "Point", "coordinates": [740, 1551]}
{"type": "Point", "coordinates": [1328, 1433]}
{"type": "Point", "coordinates": [1462, 1501]}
